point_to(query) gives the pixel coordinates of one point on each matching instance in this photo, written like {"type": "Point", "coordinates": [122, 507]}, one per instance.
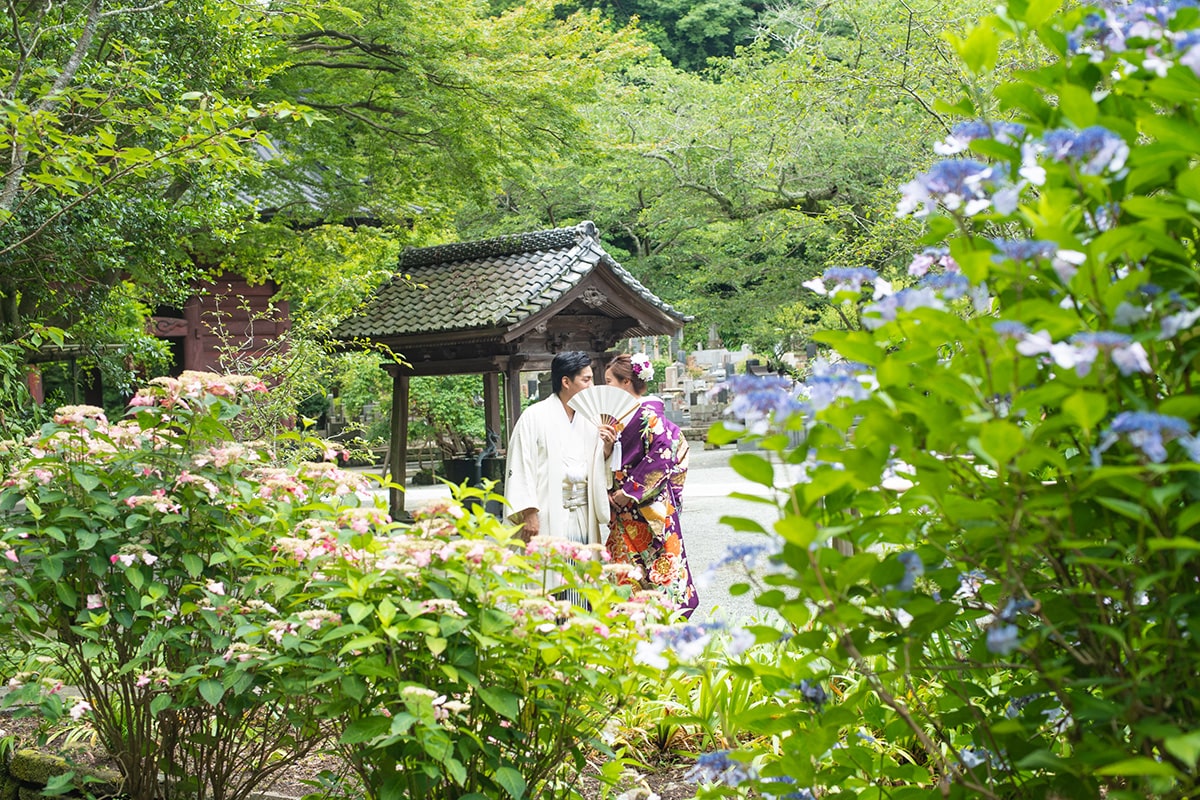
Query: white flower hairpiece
{"type": "Point", "coordinates": [642, 367]}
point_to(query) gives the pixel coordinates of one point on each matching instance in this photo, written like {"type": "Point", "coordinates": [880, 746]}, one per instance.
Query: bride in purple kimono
{"type": "Point", "coordinates": [647, 490]}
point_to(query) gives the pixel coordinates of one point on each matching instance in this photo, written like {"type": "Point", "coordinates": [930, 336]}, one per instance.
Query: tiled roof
{"type": "Point", "coordinates": [489, 284]}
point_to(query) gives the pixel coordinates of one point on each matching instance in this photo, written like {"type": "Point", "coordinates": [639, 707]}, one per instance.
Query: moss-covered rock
{"type": "Point", "coordinates": [34, 768]}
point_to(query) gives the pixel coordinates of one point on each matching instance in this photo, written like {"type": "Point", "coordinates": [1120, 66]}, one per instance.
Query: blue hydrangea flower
{"type": "Point", "coordinates": [1148, 433]}
{"type": "Point", "coordinates": [748, 555]}
{"type": "Point", "coordinates": [1175, 324]}
{"type": "Point", "coordinates": [1003, 639]}
{"type": "Point", "coordinates": [792, 793]}
{"type": "Point", "coordinates": [813, 693]}
{"type": "Point", "coordinates": [962, 134]}
{"type": "Point", "coordinates": [824, 388]}
{"type": "Point", "coordinates": [971, 759]}
{"type": "Point", "coordinates": [965, 185]}
{"type": "Point", "coordinates": [932, 257]}
{"type": "Point", "coordinates": [1091, 151]}
{"type": "Point", "coordinates": [1065, 262]}
{"type": "Point", "coordinates": [950, 285]}
{"type": "Point", "coordinates": [1010, 329]}
{"type": "Point", "coordinates": [1014, 607]}
{"type": "Point", "coordinates": [876, 315]}
{"type": "Point", "coordinates": [1024, 249]}
{"type": "Point", "coordinates": [718, 767]}
{"type": "Point", "coordinates": [913, 569]}
{"type": "Point", "coordinates": [1104, 218]}
{"type": "Point", "coordinates": [759, 400]}
{"type": "Point", "coordinates": [846, 279]}
{"type": "Point", "coordinates": [1013, 709]}
{"type": "Point", "coordinates": [687, 642]}
{"type": "Point", "coordinates": [1081, 351]}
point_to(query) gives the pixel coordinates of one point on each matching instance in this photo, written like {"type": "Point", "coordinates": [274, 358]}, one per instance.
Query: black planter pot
{"type": "Point", "coordinates": [473, 472]}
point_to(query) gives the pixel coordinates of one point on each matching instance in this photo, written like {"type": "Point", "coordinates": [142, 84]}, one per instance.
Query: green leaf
{"type": "Point", "coordinates": [1078, 106]}
{"type": "Point", "coordinates": [1138, 766]}
{"type": "Point", "coordinates": [511, 781]}
{"type": "Point", "coordinates": [1188, 518]}
{"type": "Point", "coordinates": [754, 468]}
{"type": "Point", "coordinates": [159, 704]}
{"type": "Point", "coordinates": [1039, 11]}
{"type": "Point", "coordinates": [86, 480]}
{"type": "Point", "coordinates": [743, 524]}
{"type": "Point", "coordinates": [58, 785]}
{"type": "Point", "coordinates": [1086, 408]}
{"type": "Point", "coordinates": [1154, 208]}
{"type": "Point", "coordinates": [796, 529]}
{"type": "Point", "coordinates": [1000, 440]}
{"type": "Point", "coordinates": [1185, 747]}
{"type": "Point", "coordinates": [436, 644]}
{"type": "Point", "coordinates": [502, 701]}
{"type": "Point", "coordinates": [1178, 543]}
{"type": "Point", "coordinates": [212, 691]}
{"type": "Point", "coordinates": [980, 49]}
{"type": "Point", "coordinates": [456, 770]}
{"type": "Point", "coordinates": [360, 643]}
{"type": "Point", "coordinates": [359, 611]}
{"type": "Point", "coordinates": [386, 611]}
{"type": "Point", "coordinates": [1134, 511]}
{"type": "Point", "coordinates": [193, 564]}
{"type": "Point", "coordinates": [364, 730]}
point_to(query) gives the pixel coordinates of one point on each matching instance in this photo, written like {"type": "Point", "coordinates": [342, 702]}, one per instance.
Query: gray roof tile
{"type": "Point", "coordinates": [493, 283]}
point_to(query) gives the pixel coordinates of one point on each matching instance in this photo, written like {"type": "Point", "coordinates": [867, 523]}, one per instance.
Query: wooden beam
{"type": "Point", "coordinates": [466, 366]}
{"type": "Point", "coordinates": [167, 327]}
{"type": "Point", "coordinates": [491, 404]}
{"type": "Point", "coordinates": [512, 382]}
{"type": "Point", "coordinates": [398, 445]}
{"type": "Point", "coordinates": [193, 344]}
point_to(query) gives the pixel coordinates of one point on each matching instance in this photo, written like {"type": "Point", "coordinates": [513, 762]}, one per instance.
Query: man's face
{"type": "Point", "coordinates": [575, 385]}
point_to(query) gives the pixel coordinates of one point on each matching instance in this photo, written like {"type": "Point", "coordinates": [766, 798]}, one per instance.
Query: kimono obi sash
{"type": "Point", "coordinates": [574, 493]}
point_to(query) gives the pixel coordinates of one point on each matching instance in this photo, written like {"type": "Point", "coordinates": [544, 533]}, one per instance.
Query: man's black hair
{"type": "Point", "coordinates": [567, 365]}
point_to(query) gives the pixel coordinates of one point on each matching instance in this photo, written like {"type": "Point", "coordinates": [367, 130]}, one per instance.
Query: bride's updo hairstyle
{"type": "Point", "coordinates": [621, 367]}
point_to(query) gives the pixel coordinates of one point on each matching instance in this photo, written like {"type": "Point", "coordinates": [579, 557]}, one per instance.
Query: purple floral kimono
{"type": "Point", "coordinates": [646, 534]}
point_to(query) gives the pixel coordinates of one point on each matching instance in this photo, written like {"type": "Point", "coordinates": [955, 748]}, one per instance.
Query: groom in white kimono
{"type": "Point", "coordinates": [557, 473]}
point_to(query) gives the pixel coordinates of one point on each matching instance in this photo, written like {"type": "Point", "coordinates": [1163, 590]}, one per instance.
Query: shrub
{"type": "Point", "coordinates": [986, 556]}
{"type": "Point", "coordinates": [222, 616]}
{"type": "Point", "coordinates": [134, 551]}
{"type": "Point", "coordinates": [448, 670]}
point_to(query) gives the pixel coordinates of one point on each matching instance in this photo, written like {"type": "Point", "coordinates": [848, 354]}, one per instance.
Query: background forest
{"type": "Point", "coordinates": [727, 151]}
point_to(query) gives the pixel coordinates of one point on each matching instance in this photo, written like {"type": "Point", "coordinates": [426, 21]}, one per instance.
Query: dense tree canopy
{"type": "Point", "coordinates": [726, 190]}
{"type": "Point", "coordinates": [124, 128]}
{"type": "Point", "coordinates": [145, 144]}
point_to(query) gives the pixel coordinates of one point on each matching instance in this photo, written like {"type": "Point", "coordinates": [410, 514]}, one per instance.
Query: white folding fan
{"type": "Point", "coordinates": [605, 405]}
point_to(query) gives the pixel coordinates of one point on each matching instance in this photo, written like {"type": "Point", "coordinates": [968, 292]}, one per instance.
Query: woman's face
{"type": "Point", "coordinates": [613, 380]}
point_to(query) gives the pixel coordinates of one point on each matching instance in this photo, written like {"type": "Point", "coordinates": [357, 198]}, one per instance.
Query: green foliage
{"type": "Point", "coordinates": [124, 131]}
{"type": "Point", "coordinates": [18, 413]}
{"type": "Point", "coordinates": [447, 670]}
{"type": "Point", "coordinates": [688, 33]}
{"type": "Point", "coordinates": [985, 561]}
{"type": "Point", "coordinates": [134, 551]}
{"type": "Point", "coordinates": [211, 608]}
{"type": "Point", "coordinates": [430, 103]}
{"type": "Point", "coordinates": [724, 192]}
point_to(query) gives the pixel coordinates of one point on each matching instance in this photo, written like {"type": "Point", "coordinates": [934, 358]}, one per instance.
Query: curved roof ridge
{"type": "Point", "coordinates": [512, 244]}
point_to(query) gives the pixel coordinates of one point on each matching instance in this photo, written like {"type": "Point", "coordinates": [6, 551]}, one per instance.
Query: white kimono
{"type": "Point", "coordinates": [557, 466]}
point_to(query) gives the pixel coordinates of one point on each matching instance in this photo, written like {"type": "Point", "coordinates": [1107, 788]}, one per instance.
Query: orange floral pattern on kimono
{"type": "Point", "coordinates": [646, 534]}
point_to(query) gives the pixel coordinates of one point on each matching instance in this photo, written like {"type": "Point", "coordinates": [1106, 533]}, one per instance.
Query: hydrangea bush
{"type": "Point", "coordinates": [222, 616]}
{"type": "Point", "coordinates": [987, 560]}
{"type": "Point", "coordinates": [447, 668]}
{"type": "Point", "coordinates": [133, 551]}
